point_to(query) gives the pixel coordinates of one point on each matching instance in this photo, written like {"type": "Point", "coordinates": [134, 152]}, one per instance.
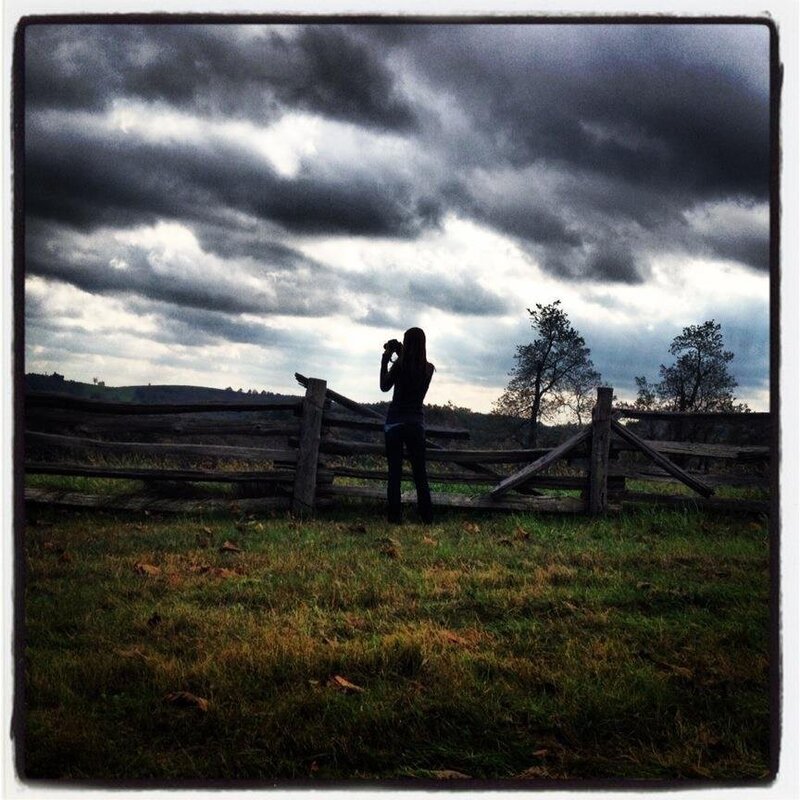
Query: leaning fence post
{"type": "Point", "coordinates": [598, 461]}
{"type": "Point", "coordinates": [305, 479]}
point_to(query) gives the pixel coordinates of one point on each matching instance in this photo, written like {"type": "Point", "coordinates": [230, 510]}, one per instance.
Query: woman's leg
{"type": "Point", "coordinates": [415, 441]}
{"type": "Point", "coordinates": [394, 457]}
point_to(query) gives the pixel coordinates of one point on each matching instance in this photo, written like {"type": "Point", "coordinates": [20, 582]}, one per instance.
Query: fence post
{"type": "Point", "coordinates": [305, 479]}
{"type": "Point", "coordinates": [598, 461]}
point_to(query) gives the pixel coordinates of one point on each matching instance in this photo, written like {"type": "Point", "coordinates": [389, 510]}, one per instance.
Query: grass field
{"type": "Point", "coordinates": [497, 647]}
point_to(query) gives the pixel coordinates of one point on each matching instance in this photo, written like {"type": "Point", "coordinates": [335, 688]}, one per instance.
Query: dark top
{"type": "Point", "coordinates": [406, 405]}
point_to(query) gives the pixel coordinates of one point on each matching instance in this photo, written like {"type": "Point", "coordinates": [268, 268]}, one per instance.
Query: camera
{"type": "Point", "coordinates": [393, 346]}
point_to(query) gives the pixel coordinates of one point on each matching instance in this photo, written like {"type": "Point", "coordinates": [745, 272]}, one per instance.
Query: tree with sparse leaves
{"type": "Point", "coordinates": [699, 379]}
{"type": "Point", "coordinates": [552, 373]}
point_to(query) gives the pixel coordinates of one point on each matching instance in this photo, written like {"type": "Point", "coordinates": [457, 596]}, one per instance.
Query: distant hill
{"type": "Point", "coordinates": [486, 430]}
{"type": "Point", "coordinates": [151, 393]}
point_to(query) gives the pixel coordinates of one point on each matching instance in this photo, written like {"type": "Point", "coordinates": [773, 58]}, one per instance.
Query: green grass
{"type": "Point", "coordinates": [530, 645]}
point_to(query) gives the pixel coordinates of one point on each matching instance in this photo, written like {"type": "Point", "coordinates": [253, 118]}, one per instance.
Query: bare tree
{"type": "Point", "coordinates": [552, 372]}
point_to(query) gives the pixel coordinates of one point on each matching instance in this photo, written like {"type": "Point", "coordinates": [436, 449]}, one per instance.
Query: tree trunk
{"type": "Point", "coordinates": [533, 428]}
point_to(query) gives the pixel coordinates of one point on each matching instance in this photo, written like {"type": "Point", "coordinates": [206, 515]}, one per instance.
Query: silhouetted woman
{"type": "Point", "coordinates": [410, 375]}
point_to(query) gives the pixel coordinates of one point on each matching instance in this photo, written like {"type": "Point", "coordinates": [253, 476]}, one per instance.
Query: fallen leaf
{"type": "Point", "coordinates": [206, 529]}
{"type": "Point", "coordinates": [540, 753]}
{"type": "Point", "coordinates": [521, 533]}
{"type": "Point", "coordinates": [222, 572]}
{"type": "Point", "coordinates": [449, 774]}
{"type": "Point", "coordinates": [472, 527]}
{"type": "Point", "coordinates": [147, 569]}
{"type": "Point", "coordinates": [154, 620]}
{"type": "Point", "coordinates": [536, 772]}
{"type": "Point", "coordinates": [344, 685]}
{"type": "Point", "coordinates": [644, 585]}
{"type": "Point", "coordinates": [131, 652]}
{"type": "Point", "coordinates": [186, 700]}
{"type": "Point", "coordinates": [428, 540]}
{"type": "Point", "coordinates": [683, 672]}
{"type": "Point", "coordinates": [454, 638]}
{"type": "Point", "coordinates": [505, 541]}
{"type": "Point", "coordinates": [230, 547]}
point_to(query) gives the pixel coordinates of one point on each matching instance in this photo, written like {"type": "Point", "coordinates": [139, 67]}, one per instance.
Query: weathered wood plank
{"type": "Point", "coordinates": [539, 481]}
{"type": "Point", "coordinates": [722, 416]}
{"type": "Point", "coordinates": [708, 504]}
{"type": "Point", "coordinates": [598, 456]}
{"type": "Point", "coordinates": [344, 402]}
{"type": "Point", "coordinates": [550, 457]}
{"type": "Point", "coordinates": [349, 448]}
{"type": "Point", "coordinates": [305, 481]}
{"type": "Point", "coordinates": [145, 502]}
{"type": "Point", "coordinates": [134, 473]}
{"type": "Point", "coordinates": [334, 421]}
{"type": "Point", "coordinates": [712, 479]}
{"type": "Point", "coordinates": [87, 424]}
{"type": "Point", "coordinates": [729, 451]}
{"type": "Point", "coordinates": [481, 502]}
{"type": "Point", "coordinates": [159, 449]}
{"type": "Point", "coordinates": [65, 401]}
{"type": "Point", "coordinates": [662, 461]}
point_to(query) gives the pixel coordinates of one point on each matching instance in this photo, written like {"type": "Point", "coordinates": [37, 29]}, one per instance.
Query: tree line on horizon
{"type": "Point", "coordinates": [554, 373]}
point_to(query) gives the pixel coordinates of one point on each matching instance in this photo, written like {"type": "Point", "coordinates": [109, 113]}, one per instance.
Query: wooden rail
{"type": "Point", "coordinates": [691, 416]}
{"type": "Point", "coordinates": [65, 401]}
{"type": "Point", "coordinates": [334, 421]}
{"type": "Point", "coordinates": [159, 449]}
{"type": "Point", "coordinates": [182, 424]}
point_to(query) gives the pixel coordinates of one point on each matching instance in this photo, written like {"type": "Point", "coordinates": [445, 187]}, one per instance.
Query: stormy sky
{"type": "Point", "coordinates": [224, 205]}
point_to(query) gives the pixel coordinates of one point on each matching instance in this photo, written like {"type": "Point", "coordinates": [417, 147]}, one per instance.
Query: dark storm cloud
{"type": "Point", "coordinates": [745, 247]}
{"type": "Point", "coordinates": [198, 326]}
{"type": "Point", "coordinates": [91, 179]}
{"type": "Point", "coordinates": [253, 243]}
{"type": "Point", "coordinates": [644, 122]}
{"type": "Point", "coordinates": [215, 70]}
{"type": "Point", "coordinates": [381, 318]}
{"type": "Point", "coordinates": [129, 271]}
{"type": "Point", "coordinates": [640, 122]}
{"type": "Point", "coordinates": [614, 264]}
{"type": "Point", "coordinates": [462, 295]}
{"type": "Point", "coordinates": [644, 103]}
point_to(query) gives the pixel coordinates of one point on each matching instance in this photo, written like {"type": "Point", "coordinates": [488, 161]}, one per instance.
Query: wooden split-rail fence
{"type": "Point", "coordinates": [310, 470]}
